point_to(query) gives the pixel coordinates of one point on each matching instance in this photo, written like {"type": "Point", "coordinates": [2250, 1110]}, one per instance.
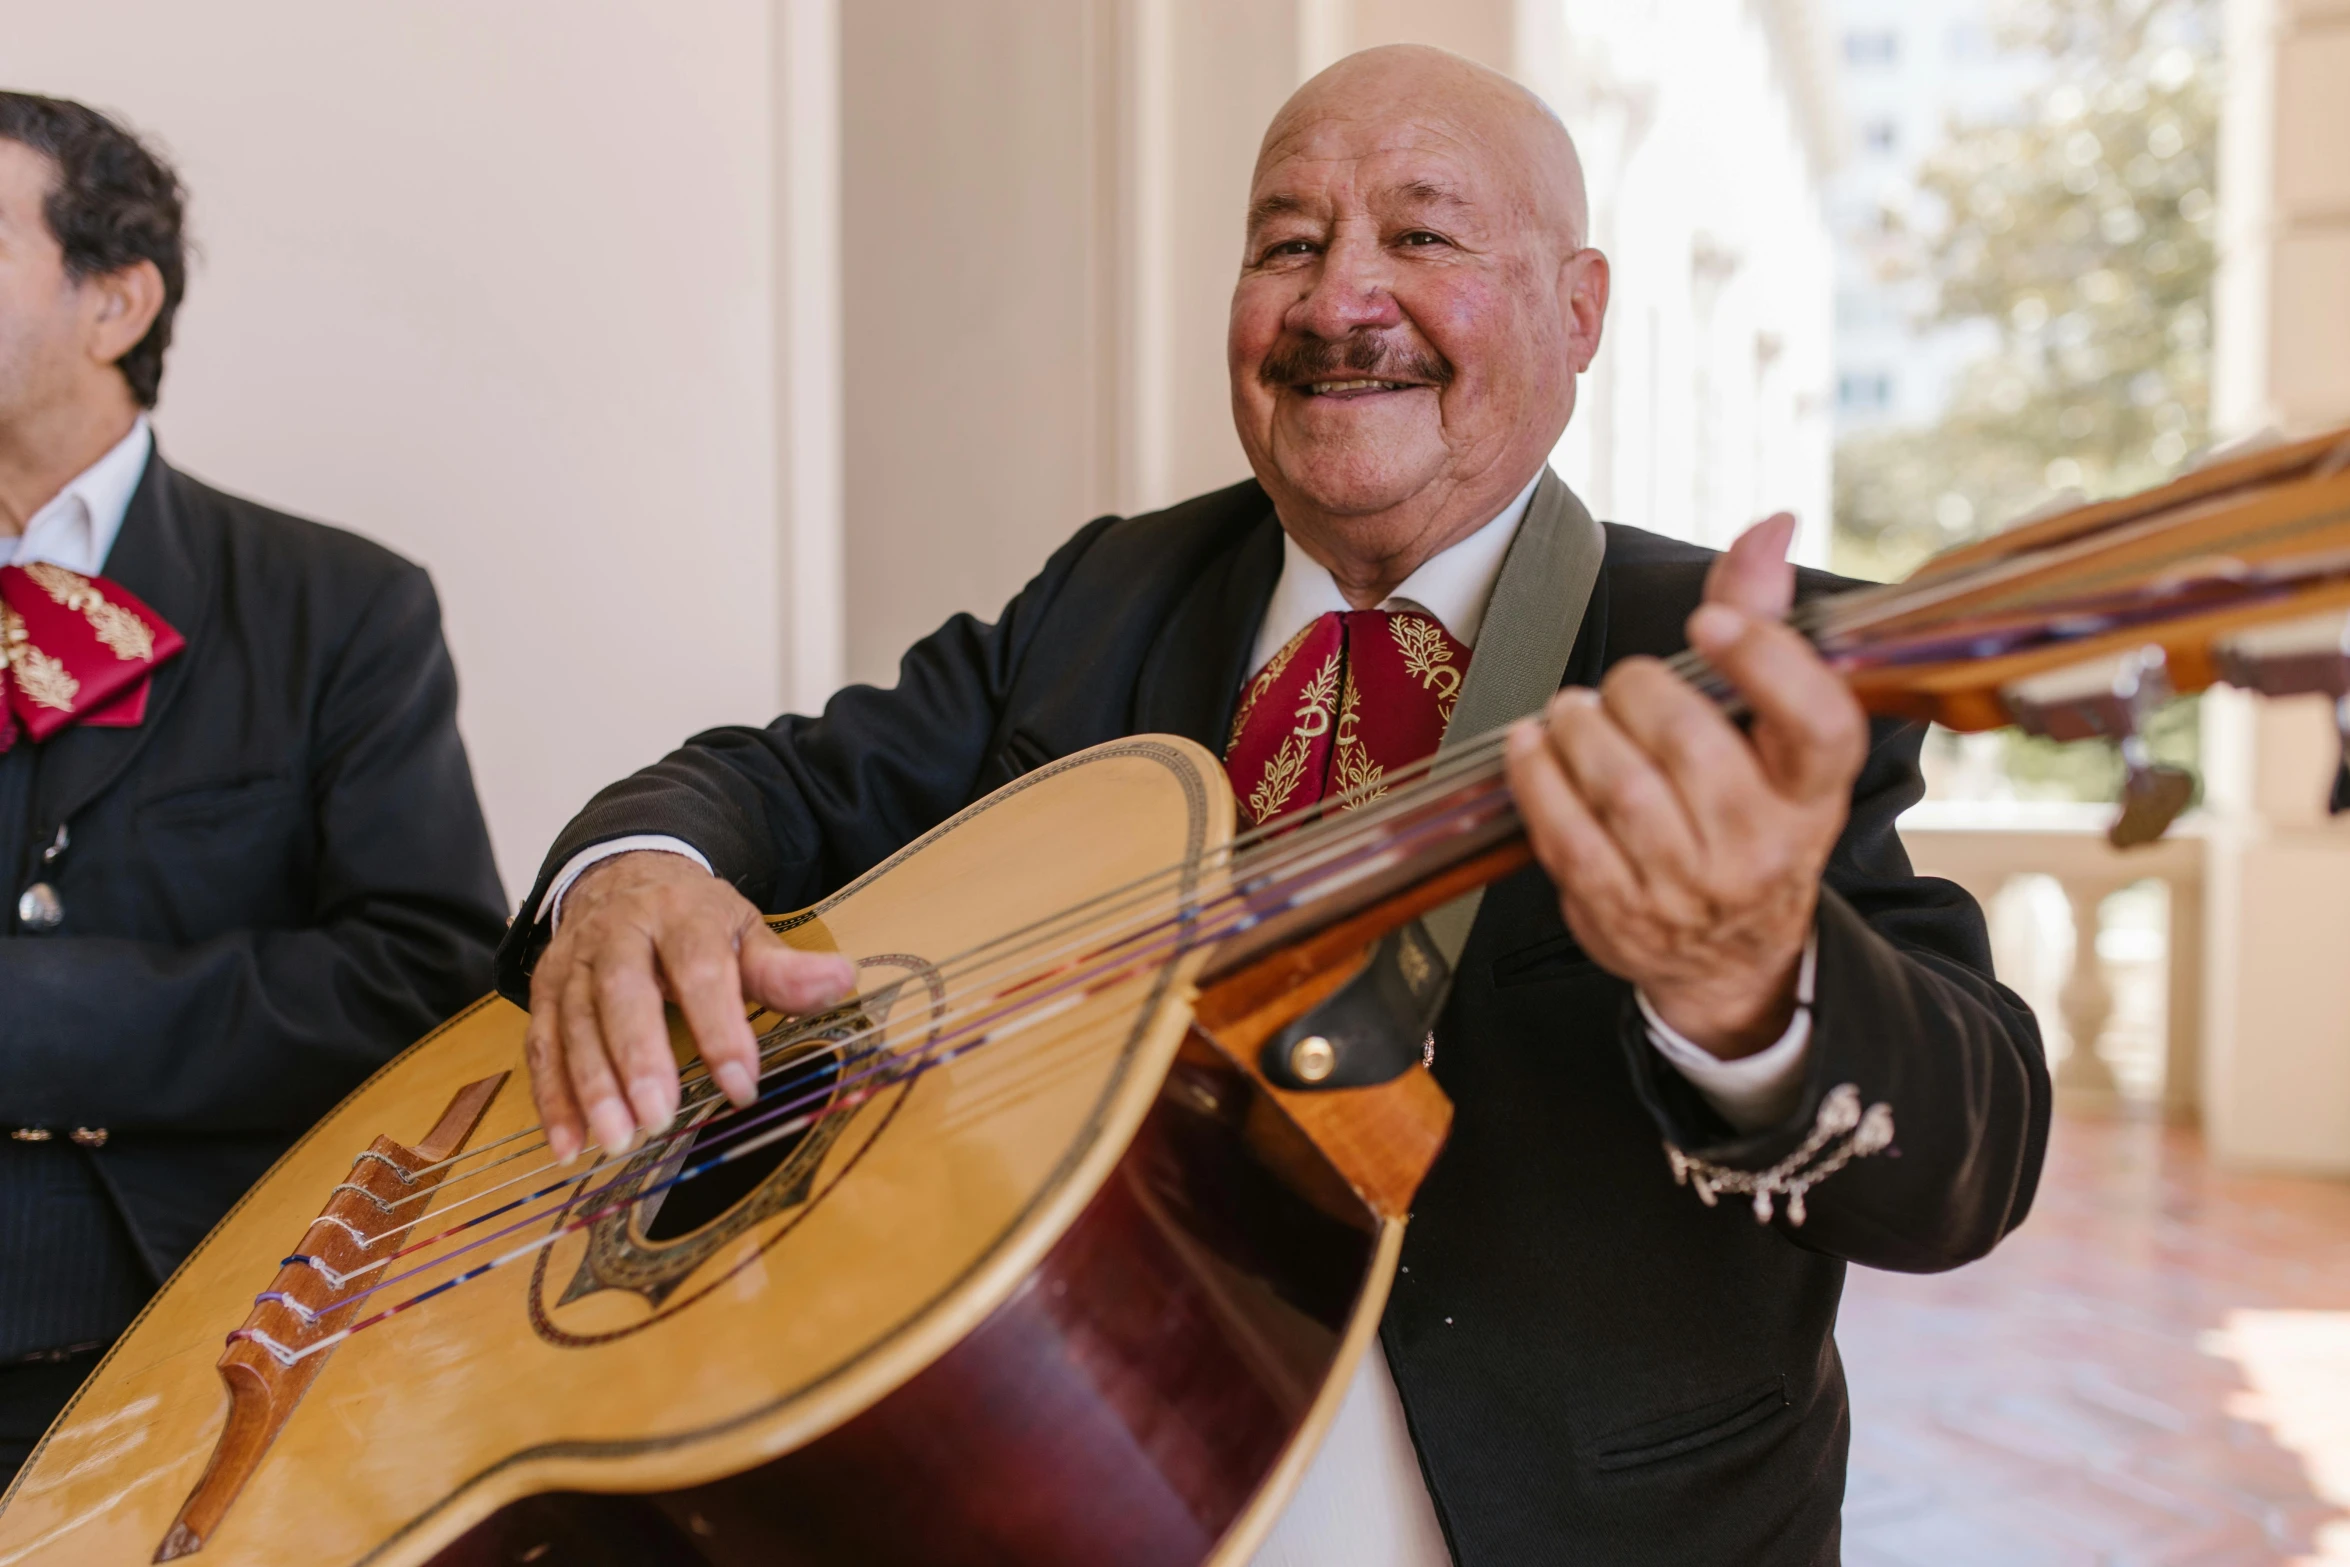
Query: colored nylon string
{"type": "Point", "coordinates": [1316, 845]}
{"type": "Point", "coordinates": [1005, 1018]}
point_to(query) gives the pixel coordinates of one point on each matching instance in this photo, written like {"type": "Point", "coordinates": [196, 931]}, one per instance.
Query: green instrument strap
{"type": "Point", "coordinates": [1522, 647]}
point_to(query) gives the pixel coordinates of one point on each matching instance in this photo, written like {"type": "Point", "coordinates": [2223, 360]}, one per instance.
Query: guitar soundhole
{"type": "Point", "coordinates": [793, 1092]}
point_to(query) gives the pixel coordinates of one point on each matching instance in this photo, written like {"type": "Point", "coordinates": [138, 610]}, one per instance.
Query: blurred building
{"type": "Point", "coordinates": [1905, 69]}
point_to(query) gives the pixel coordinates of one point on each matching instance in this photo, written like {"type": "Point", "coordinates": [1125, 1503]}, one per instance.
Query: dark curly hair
{"type": "Point", "coordinates": [115, 204]}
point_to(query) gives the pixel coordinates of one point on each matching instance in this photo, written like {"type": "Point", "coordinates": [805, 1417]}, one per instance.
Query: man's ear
{"type": "Point", "coordinates": [1583, 286]}
{"type": "Point", "coordinates": [117, 309]}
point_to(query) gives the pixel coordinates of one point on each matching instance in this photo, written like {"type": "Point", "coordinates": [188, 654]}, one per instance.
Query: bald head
{"type": "Point", "coordinates": [1499, 119]}
{"type": "Point", "coordinates": [1415, 301]}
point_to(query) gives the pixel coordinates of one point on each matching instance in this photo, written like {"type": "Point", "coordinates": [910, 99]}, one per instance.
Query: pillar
{"type": "Point", "coordinates": [2277, 1001]}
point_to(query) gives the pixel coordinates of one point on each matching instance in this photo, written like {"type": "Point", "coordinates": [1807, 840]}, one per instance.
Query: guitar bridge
{"type": "Point", "coordinates": [273, 1359]}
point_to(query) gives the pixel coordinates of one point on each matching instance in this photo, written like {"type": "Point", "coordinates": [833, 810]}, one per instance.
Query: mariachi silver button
{"type": "Point", "coordinates": [31, 1134]}
{"type": "Point", "coordinates": [40, 908]}
{"type": "Point", "coordinates": [89, 1136]}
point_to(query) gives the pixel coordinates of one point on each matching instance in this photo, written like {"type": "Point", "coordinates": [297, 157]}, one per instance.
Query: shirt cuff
{"type": "Point", "coordinates": [1752, 1092]}
{"type": "Point", "coordinates": [550, 909]}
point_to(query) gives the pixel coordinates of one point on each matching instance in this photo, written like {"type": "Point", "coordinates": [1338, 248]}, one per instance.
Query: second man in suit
{"type": "Point", "coordinates": [244, 863]}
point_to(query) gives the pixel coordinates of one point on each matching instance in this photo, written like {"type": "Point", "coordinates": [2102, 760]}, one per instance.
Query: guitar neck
{"type": "Point", "coordinates": [1434, 844]}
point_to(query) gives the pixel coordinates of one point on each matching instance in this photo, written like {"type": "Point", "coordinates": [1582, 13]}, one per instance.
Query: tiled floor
{"type": "Point", "coordinates": [2154, 1370]}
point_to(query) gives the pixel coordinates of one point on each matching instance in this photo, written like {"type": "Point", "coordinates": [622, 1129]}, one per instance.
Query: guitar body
{"type": "Point", "coordinates": [1087, 1294]}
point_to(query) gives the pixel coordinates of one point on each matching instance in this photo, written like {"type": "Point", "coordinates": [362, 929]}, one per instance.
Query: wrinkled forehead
{"type": "Point", "coordinates": [1326, 164]}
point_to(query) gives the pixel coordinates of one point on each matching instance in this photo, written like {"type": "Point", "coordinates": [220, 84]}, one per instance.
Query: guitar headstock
{"type": "Point", "coordinates": [2079, 625]}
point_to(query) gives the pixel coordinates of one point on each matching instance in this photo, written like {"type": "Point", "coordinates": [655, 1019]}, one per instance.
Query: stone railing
{"type": "Point", "coordinates": [1983, 847]}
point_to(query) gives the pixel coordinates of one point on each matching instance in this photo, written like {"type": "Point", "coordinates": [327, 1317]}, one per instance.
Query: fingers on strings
{"type": "Point", "coordinates": [1809, 732]}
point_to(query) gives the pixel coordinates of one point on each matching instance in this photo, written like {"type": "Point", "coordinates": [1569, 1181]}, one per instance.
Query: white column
{"type": "Point", "coordinates": [1325, 35]}
{"type": "Point", "coordinates": [2277, 1003]}
{"type": "Point", "coordinates": [808, 346]}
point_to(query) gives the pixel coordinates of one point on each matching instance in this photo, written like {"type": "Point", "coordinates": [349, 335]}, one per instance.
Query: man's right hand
{"type": "Point", "coordinates": [638, 929]}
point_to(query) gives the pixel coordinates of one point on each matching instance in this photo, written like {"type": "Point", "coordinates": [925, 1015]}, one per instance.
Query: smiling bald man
{"type": "Point", "coordinates": [1722, 978]}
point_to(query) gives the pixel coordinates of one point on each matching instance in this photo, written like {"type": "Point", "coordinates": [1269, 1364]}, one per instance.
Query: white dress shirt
{"type": "Point", "coordinates": [1363, 1502]}
{"type": "Point", "coordinates": [76, 528]}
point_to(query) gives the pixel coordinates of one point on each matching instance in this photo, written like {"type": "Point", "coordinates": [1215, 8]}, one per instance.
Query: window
{"type": "Point", "coordinates": [1864, 391]}
{"type": "Point", "coordinates": [1880, 136]}
{"type": "Point", "coordinates": [1872, 47]}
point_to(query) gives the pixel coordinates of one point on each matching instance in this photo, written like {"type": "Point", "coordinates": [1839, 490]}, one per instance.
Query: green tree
{"type": "Point", "coordinates": [2080, 232]}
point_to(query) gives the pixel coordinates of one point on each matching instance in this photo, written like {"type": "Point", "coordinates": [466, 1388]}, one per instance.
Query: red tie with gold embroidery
{"type": "Point", "coordinates": [1346, 700]}
{"type": "Point", "coordinates": [74, 650]}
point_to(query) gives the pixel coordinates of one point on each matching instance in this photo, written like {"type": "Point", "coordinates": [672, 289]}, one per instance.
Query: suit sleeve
{"type": "Point", "coordinates": [789, 812]}
{"type": "Point", "coordinates": [1917, 1141]}
{"type": "Point", "coordinates": [264, 1030]}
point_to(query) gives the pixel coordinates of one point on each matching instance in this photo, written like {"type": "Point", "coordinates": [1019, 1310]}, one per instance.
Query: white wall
{"type": "Point", "coordinates": [1945, 63]}
{"type": "Point", "coordinates": [491, 284]}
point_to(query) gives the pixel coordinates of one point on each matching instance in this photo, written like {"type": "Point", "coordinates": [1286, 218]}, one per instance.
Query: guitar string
{"type": "Point", "coordinates": [1395, 796]}
{"type": "Point", "coordinates": [1400, 799]}
{"type": "Point", "coordinates": [1686, 664]}
{"type": "Point", "coordinates": [996, 1008]}
{"type": "Point", "coordinates": [1353, 831]}
{"type": "Point", "coordinates": [1689, 664]}
{"type": "Point", "coordinates": [998, 1012]}
{"type": "Point", "coordinates": [937, 1054]}
{"type": "Point", "coordinates": [1000, 1031]}
{"type": "Point", "coordinates": [1832, 614]}
{"type": "Point", "coordinates": [1293, 856]}
{"type": "Point", "coordinates": [780, 1038]}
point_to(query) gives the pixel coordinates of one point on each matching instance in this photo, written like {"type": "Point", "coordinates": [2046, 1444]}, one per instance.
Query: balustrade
{"type": "Point", "coordinates": [1984, 846]}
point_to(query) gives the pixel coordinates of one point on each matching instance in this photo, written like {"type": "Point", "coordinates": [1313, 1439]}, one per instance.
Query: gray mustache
{"type": "Point", "coordinates": [1354, 358]}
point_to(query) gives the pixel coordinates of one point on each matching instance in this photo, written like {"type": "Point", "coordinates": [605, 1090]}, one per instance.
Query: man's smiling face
{"type": "Point", "coordinates": [1403, 333]}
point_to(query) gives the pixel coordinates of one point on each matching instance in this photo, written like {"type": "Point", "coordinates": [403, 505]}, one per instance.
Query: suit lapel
{"type": "Point", "coordinates": [152, 558]}
{"type": "Point", "coordinates": [1193, 676]}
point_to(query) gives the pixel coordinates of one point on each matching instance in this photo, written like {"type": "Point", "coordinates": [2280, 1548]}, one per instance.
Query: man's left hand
{"type": "Point", "coordinates": [1687, 854]}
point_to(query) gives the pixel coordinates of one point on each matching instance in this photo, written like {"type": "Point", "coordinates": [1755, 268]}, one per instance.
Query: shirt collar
{"type": "Point", "coordinates": [77, 528]}
{"type": "Point", "coordinates": [1454, 585]}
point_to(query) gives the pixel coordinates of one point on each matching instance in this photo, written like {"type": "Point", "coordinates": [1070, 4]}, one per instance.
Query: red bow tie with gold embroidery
{"type": "Point", "coordinates": [74, 650]}
{"type": "Point", "coordinates": [1354, 694]}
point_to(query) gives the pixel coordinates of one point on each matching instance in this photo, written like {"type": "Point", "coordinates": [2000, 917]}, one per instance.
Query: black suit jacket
{"type": "Point", "coordinates": [274, 883]}
{"type": "Point", "coordinates": [1598, 1366]}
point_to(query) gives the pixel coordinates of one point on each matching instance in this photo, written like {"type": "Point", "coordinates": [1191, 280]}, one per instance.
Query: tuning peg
{"type": "Point", "coordinates": [2295, 658]}
{"type": "Point", "coordinates": [2111, 699]}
